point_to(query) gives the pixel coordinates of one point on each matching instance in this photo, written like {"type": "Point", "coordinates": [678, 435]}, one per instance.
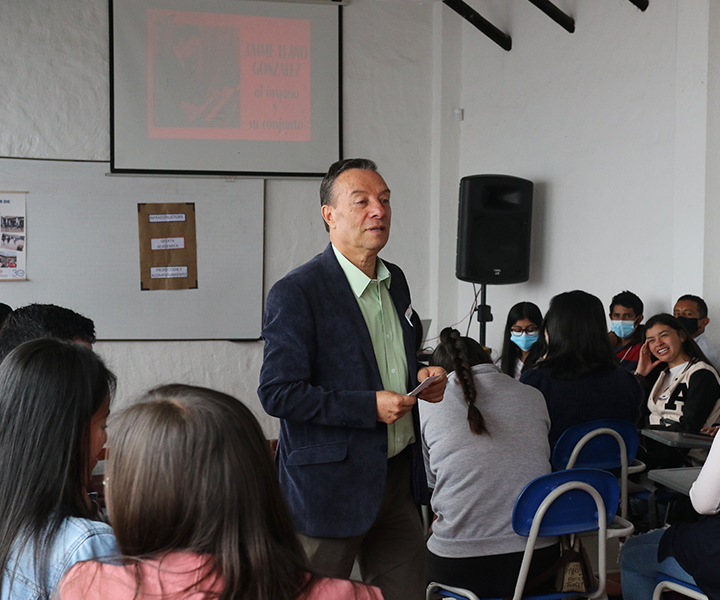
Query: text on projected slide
{"type": "Point", "coordinates": [225, 77]}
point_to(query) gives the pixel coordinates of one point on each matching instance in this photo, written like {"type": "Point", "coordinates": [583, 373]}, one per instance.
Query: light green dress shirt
{"type": "Point", "coordinates": [383, 323]}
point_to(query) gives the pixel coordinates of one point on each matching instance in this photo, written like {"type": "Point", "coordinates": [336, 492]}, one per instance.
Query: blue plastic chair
{"type": "Point", "coordinates": [600, 444]}
{"type": "Point", "coordinates": [665, 582]}
{"type": "Point", "coordinates": [564, 502]}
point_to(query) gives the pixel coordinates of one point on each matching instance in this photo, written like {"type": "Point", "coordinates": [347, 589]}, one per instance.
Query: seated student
{"type": "Point", "coordinates": [578, 375]}
{"type": "Point", "coordinates": [194, 499]}
{"type": "Point", "coordinates": [626, 335]}
{"type": "Point", "coordinates": [686, 551]}
{"type": "Point", "coordinates": [483, 444]}
{"type": "Point", "coordinates": [692, 312]}
{"type": "Point", "coordinates": [685, 395]}
{"type": "Point", "coordinates": [36, 321]}
{"type": "Point", "coordinates": [521, 334]}
{"type": "Point", "coordinates": [54, 401]}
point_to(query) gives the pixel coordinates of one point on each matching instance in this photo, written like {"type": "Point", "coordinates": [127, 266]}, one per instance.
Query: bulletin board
{"type": "Point", "coordinates": [83, 250]}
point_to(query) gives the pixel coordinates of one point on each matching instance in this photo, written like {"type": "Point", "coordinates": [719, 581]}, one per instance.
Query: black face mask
{"type": "Point", "coordinates": [690, 324]}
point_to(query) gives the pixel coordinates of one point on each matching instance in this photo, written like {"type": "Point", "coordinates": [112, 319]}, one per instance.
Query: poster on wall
{"type": "Point", "coordinates": [13, 248]}
{"type": "Point", "coordinates": [168, 248]}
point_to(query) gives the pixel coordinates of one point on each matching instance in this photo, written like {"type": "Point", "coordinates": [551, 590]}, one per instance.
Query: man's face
{"type": "Point", "coordinates": [359, 217]}
{"type": "Point", "coordinates": [689, 310]}
{"type": "Point", "coordinates": [622, 313]}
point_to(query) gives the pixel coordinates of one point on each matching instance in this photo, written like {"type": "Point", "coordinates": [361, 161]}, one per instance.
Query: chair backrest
{"type": "Point", "coordinates": [600, 452]}
{"type": "Point", "coordinates": [665, 582]}
{"type": "Point", "coordinates": [574, 511]}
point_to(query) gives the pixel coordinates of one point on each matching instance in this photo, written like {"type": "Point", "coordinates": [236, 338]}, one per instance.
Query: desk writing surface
{"type": "Point", "coordinates": [676, 439]}
{"type": "Point", "coordinates": [83, 251]}
{"type": "Point", "coordinates": [678, 480]}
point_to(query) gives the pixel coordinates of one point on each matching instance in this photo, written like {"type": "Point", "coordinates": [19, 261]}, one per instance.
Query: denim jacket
{"type": "Point", "coordinates": [77, 540]}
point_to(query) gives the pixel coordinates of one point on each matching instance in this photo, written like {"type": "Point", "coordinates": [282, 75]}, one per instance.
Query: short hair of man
{"type": "Point", "coordinates": [36, 321]}
{"type": "Point", "coordinates": [628, 300]}
{"type": "Point", "coordinates": [701, 304]}
{"type": "Point", "coordinates": [364, 164]}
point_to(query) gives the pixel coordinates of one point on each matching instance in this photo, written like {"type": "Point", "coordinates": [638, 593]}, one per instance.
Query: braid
{"type": "Point", "coordinates": [458, 354]}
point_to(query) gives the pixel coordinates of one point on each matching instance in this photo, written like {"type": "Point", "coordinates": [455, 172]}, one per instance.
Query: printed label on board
{"type": "Point", "coordinates": [168, 272]}
{"type": "Point", "coordinates": [173, 243]}
{"type": "Point", "coordinates": [176, 218]}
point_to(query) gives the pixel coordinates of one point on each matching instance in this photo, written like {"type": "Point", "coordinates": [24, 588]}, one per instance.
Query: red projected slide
{"type": "Point", "coordinates": [227, 77]}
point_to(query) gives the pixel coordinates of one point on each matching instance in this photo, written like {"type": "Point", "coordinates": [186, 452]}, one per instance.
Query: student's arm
{"type": "Point", "coordinates": [705, 492]}
{"type": "Point", "coordinates": [702, 394]}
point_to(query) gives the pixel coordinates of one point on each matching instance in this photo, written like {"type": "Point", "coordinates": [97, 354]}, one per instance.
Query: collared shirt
{"type": "Point", "coordinates": [383, 323]}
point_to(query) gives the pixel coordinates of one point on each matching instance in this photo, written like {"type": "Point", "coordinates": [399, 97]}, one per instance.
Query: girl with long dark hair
{"type": "Point", "coordinates": [522, 331]}
{"type": "Point", "coordinates": [193, 496]}
{"type": "Point", "coordinates": [483, 444]}
{"type": "Point", "coordinates": [54, 401]}
{"type": "Point", "coordinates": [685, 397]}
{"type": "Point", "coordinates": [578, 375]}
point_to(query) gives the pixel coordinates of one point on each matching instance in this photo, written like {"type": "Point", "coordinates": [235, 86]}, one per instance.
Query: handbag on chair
{"type": "Point", "coordinates": [572, 572]}
{"type": "Point", "coordinates": [576, 574]}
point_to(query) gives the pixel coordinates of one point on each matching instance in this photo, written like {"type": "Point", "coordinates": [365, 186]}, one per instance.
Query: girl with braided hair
{"type": "Point", "coordinates": [483, 444]}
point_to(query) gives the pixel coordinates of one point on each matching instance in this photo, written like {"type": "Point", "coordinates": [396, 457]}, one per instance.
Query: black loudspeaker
{"type": "Point", "coordinates": [494, 218]}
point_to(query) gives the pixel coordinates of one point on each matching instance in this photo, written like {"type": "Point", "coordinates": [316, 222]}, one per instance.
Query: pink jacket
{"type": "Point", "coordinates": [92, 580]}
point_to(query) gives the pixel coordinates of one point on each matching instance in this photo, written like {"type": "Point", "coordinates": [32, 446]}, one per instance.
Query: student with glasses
{"type": "Point", "coordinates": [520, 347]}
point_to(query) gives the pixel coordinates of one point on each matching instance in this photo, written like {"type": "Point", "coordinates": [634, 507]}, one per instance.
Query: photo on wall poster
{"type": "Point", "coordinates": [13, 249]}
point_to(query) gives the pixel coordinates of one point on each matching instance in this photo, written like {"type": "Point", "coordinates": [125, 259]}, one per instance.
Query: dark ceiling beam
{"type": "Point", "coordinates": [472, 16]}
{"type": "Point", "coordinates": [565, 21]}
{"type": "Point", "coordinates": [641, 4]}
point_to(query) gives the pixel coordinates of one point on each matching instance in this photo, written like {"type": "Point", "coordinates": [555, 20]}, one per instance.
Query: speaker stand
{"type": "Point", "coordinates": [484, 313]}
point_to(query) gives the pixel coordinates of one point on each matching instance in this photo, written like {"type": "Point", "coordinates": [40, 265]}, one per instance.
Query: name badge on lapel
{"type": "Point", "coordinates": [408, 314]}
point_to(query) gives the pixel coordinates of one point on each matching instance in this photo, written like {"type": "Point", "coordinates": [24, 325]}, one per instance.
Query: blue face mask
{"type": "Point", "coordinates": [623, 329]}
{"type": "Point", "coordinates": [524, 341]}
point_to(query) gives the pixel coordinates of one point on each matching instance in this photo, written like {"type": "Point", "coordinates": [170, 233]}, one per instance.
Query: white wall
{"type": "Point", "coordinates": [610, 124]}
{"type": "Point", "coordinates": [54, 93]}
{"type": "Point", "coordinates": [617, 124]}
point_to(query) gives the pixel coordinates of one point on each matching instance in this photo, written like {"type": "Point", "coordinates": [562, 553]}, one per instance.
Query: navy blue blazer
{"type": "Point", "coordinates": [319, 376]}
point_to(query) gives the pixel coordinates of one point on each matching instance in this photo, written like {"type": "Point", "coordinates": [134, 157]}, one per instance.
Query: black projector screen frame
{"type": "Point", "coordinates": [225, 87]}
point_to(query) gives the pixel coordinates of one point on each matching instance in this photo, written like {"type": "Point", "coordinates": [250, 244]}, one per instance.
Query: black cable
{"type": "Point", "coordinates": [472, 310]}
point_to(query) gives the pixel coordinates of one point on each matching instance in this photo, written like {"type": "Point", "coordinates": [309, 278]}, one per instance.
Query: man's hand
{"type": "Point", "coordinates": [435, 391]}
{"type": "Point", "coordinates": [392, 406]}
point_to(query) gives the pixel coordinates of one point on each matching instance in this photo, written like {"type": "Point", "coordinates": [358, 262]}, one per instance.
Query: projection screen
{"type": "Point", "coordinates": [224, 86]}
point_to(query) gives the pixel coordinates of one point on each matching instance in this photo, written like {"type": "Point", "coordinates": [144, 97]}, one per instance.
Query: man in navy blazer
{"type": "Point", "coordinates": [339, 361]}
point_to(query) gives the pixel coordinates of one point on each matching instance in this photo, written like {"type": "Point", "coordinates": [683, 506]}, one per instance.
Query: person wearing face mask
{"type": "Point", "coordinates": [692, 312]}
{"type": "Point", "coordinates": [626, 333]}
{"type": "Point", "coordinates": [519, 344]}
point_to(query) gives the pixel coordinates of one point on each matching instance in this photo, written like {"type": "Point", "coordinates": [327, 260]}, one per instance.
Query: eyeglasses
{"type": "Point", "coordinates": [530, 329]}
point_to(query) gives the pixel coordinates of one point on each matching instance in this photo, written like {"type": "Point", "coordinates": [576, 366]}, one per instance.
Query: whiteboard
{"type": "Point", "coordinates": [83, 251]}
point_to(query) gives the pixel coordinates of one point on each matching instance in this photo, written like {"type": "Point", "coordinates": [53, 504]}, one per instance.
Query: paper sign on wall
{"type": "Point", "coordinates": [168, 249]}
{"type": "Point", "coordinates": [13, 248]}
